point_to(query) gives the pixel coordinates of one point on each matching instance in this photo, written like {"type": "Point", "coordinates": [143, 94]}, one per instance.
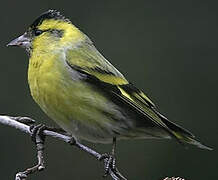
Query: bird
{"type": "Point", "coordinates": [77, 87]}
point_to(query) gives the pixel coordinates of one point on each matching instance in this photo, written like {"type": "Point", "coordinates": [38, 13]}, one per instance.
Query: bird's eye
{"type": "Point", "coordinates": [37, 32]}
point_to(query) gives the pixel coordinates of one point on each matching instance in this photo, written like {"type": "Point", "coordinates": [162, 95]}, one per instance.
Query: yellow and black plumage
{"type": "Point", "coordinates": [83, 92]}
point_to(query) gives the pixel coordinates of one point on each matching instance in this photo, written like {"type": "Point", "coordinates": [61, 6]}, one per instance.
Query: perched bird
{"type": "Point", "coordinates": [83, 92]}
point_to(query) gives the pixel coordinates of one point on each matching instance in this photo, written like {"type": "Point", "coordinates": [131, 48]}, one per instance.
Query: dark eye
{"type": "Point", "coordinates": [37, 32]}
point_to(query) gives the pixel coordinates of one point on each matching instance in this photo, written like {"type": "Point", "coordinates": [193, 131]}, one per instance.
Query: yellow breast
{"type": "Point", "coordinates": [62, 98]}
{"type": "Point", "coordinates": [47, 85]}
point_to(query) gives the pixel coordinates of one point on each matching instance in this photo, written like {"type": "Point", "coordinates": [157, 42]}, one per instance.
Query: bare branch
{"type": "Point", "coordinates": [173, 178]}
{"type": "Point", "coordinates": [23, 124]}
{"type": "Point", "coordinates": [41, 163]}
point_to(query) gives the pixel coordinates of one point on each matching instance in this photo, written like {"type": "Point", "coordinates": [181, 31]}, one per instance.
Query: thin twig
{"type": "Point", "coordinates": [174, 178]}
{"type": "Point", "coordinates": [41, 163]}
{"type": "Point", "coordinates": [22, 124]}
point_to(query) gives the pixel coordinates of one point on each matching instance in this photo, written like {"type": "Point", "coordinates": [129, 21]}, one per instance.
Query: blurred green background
{"type": "Point", "coordinates": [167, 48]}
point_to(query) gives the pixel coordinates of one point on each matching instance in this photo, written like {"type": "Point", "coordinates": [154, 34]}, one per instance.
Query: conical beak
{"type": "Point", "coordinates": [21, 41]}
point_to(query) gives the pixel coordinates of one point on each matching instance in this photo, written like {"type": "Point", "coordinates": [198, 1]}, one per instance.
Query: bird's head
{"type": "Point", "coordinates": [50, 31]}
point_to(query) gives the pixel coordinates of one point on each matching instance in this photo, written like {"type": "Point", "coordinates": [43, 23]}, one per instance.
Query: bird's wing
{"type": "Point", "coordinates": [99, 72]}
{"type": "Point", "coordinates": [86, 57]}
{"type": "Point", "coordinates": [87, 60]}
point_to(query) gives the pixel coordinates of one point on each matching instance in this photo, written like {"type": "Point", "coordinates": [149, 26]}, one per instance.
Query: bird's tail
{"type": "Point", "coordinates": [182, 135]}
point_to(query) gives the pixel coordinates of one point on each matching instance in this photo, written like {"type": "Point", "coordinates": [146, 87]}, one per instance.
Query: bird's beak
{"type": "Point", "coordinates": [21, 41]}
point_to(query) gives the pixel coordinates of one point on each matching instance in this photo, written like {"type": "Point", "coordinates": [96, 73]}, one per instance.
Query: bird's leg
{"type": "Point", "coordinates": [39, 139]}
{"type": "Point", "coordinates": [111, 161]}
{"type": "Point", "coordinates": [113, 153]}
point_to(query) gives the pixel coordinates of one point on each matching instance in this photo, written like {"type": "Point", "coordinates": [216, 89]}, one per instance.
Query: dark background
{"type": "Point", "coordinates": [166, 48]}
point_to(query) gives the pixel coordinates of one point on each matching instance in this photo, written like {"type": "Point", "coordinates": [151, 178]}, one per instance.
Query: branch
{"type": "Point", "coordinates": [173, 178]}
{"type": "Point", "coordinates": [23, 124]}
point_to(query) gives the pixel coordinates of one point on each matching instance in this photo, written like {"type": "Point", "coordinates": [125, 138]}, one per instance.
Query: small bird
{"type": "Point", "coordinates": [83, 92]}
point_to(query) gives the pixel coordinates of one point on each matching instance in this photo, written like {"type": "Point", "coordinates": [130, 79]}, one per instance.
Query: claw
{"type": "Point", "coordinates": [72, 141]}
{"type": "Point", "coordinates": [110, 163]}
{"type": "Point", "coordinates": [109, 160]}
{"type": "Point", "coordinates": [103, 156]}
{"type": "Point", "coordinates": [37, 130]}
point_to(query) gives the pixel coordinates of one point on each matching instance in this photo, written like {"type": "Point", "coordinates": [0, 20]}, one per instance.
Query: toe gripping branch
{"type": "Point", "coordinates": [110, 164]}
{"type": "Point", "coordinates": [38, 137]}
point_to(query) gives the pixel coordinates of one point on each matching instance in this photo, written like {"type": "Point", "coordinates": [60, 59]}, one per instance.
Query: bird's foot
{"type": "Point", "coordinates": [109, 163]}
{"type": "Point", "coordinates": [72, 141]}
{"type": "Point", "coordinates": [37, 130]}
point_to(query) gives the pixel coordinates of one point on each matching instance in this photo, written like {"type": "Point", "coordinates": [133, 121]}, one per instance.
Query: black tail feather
{"type": "Point", "coordinates": [182, 135]}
